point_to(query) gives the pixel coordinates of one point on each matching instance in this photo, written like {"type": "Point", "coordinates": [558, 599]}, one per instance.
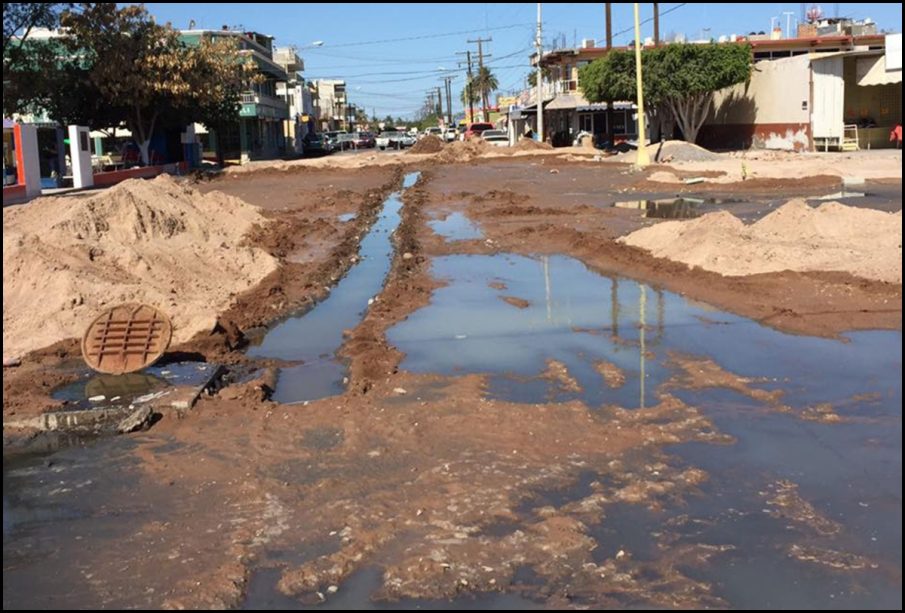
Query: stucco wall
{"type": "Point", "coordinates": [770, 111]}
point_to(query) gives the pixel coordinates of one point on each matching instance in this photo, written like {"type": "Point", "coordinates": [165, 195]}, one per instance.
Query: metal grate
{"type": "Point", "coordinates": [126, 338]}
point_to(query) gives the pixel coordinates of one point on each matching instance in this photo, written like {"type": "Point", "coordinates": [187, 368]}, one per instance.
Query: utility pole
{"type": "Point", "coordinates": [539, 45]}
{"type": "Point", "coordinates": [609, 47]}
{"type": "Point", "coordinates": [642, 158]}
{"type": "Point", "coordinates": [481, 71]}
{"type": "Point", "coordinates": [447, 81]}
{"type": "Point", "coordinates": [656, 24]}
{"type": "Point", "coordinates": [468, 86]}
{"type": "Point", "coordinates": [440, 101]}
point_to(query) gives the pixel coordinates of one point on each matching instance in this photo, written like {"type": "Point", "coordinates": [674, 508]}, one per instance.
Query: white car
{"type": "Point", "coordinates": [389, 140]}
{"type": "Point", "coordinates": [435, 131]}
{"type": "Point", "coordinates": [407, 140]}
{"type": "Point", "coordinates": [449, 135]}
{"type": "Point", "coordinates": [497, 138]}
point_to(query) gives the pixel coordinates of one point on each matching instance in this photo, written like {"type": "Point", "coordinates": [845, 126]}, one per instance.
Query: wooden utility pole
{"type": "Point", "coordinates": [609, 47]}
{"type": "Point", "coordinates": [468, 86]}
{"type": "Point", "coordinates": [481, 72]}
{"type": "Point", "coordinates": [656, 24]}
{"type": "Point", "coordinates": [440, 100]}
{"type": "Point", "coordinates": [447, 81]}
{"type": "Point", "coordinates": [609, 26]}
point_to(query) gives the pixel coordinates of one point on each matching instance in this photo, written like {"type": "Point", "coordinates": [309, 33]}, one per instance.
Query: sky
{"type": "Point", "coordinates": [391, 54]}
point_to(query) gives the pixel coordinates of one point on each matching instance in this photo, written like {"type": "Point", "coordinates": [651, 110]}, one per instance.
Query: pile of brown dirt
{"type": "Point", "coordinates": [464, 151]}
{"type": "Point", "coordinates": [797, 237]}
{"type": "Point", "coordinates": [529, 144]}
{"type": "Point", "coordinates": [428, 144]}
{"type": "Point", "coordinates": [159, 242]}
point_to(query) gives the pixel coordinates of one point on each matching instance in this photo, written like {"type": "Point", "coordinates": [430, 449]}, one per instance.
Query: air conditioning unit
{"type": "Point", "coordinates": [587, 43]}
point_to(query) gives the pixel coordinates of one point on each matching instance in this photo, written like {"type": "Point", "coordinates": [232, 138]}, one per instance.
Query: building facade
{"type": "Point", "coordinates": [258, 132]}
{"type": "Point", "coordinates": [332, 111]}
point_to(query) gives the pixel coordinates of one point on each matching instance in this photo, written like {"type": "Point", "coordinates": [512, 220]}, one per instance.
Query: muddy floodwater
{"type": "Point", "coordinates": [315, 336]}
{"type": "Point", "coordinates": [549, 437]}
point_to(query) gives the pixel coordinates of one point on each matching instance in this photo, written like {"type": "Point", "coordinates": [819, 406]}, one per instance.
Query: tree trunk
{"type": "Point", "coordinates": [484, 105]}
{"type": "Point", "coordinates": [690, 113]}
{"type": "Point", "coordinates": [144, 137]}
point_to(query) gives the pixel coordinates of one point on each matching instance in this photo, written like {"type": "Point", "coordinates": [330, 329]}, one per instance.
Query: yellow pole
{"type": "Point", "coordinates": [642, 159]}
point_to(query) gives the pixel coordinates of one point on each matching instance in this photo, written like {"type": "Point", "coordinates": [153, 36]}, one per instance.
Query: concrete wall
{"type": "Point", "coordinates": [770, 111]}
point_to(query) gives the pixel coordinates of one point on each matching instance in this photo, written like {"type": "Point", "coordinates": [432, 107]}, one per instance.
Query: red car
{"type": "Point", "coordinates": [365, 140]}
{"type": "Point", "coordinates": [475, 129]}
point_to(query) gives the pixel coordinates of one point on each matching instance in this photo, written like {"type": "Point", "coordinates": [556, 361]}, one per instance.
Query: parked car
{"type": "Point", "coordinates": [434, 131]}
{"type": "Point", "coordinates": [407, 139]}
{"type": "Point", "coordinates": [315, 144]}
{"type": "Point", "coordinates": [365, 140]}
{"type": "Point", "coordinates": [475, 129]}
{"type": "Point", "coordinates": [332, 138]}
{"type": "Point", "coordinates": [497, 138]}
{"type": "Point", "coordinates": [460, 131]}
{"type": "Point", "coordinates": [389, 140]}
{"type": "Point", "coordinates": [449, 135]}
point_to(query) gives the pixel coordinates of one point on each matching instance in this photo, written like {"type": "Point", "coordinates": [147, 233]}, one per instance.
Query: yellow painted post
{"type": "Point", "coordinates": [642, 159]}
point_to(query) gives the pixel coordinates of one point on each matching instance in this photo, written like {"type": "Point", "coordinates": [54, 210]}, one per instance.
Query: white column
{"type": "Point", "coordinates": [80, 154]}
{"type": "Point", "coordinates": [30, 158]}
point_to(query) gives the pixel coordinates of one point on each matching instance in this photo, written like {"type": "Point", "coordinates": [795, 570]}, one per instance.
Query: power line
{"type": "Point", "coordinates": [422, 37]}
{"type": "Point", "coordinates": [649, 19]}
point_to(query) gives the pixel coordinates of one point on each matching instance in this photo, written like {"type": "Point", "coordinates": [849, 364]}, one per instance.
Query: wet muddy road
{"type": "Point", "coordinates": [523, 427]}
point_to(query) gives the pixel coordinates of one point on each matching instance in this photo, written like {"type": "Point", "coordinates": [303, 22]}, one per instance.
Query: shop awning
{"type": "Point", "coordinates": [564, 102]}
{"type": "Point", "coordinates": [872, 71]}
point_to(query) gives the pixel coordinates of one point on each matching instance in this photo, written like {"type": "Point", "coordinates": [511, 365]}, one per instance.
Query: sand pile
{"type": "Point", "coordinates": [833, 237]}
{"type": "Point", "coordinates": [65, 259]}
{"type": "Point", "coordinates": [464, 151]}
{"type": "Point", "coordinates": [428, 144]}
{"type": "Point", "coordinates": [529, 144]}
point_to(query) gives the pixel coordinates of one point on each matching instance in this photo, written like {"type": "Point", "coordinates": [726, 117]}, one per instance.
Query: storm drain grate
{"type": "Point", "coordinates": [126, 338]}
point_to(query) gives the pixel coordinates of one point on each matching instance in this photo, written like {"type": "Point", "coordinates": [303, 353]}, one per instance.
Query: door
{"type": "Point", "coordinates": [829, 95]}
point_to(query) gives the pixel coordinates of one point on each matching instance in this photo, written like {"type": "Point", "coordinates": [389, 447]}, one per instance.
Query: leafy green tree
{"type": "Point", "coordinates": [679, 77]}
{"type": "Point", "coordinates": [26, 66]}
{"type": "Point", "coordinates": [144, 69]}
{"type": "Point", "coordinates": [546, 71]}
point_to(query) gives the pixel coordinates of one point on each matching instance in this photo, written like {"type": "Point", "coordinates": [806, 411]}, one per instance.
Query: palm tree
{"type": "Point", "coordinates": [484, 83]}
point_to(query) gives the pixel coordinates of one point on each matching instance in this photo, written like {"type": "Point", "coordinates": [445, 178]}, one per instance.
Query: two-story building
{"type": "Point", "coordinates": [297, 95]}
{"type": "Point", "coordinates": [258, 132]}
{"type": "Point", "coordinates": [809, 92]}
{"type": "Point", "coordinates": [332, 111]}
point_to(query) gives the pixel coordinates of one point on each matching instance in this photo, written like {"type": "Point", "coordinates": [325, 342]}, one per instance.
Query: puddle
{"type": "Point", "coordinates": [580, 319]}
{"type": "Point", "coordinates": [674, 208]}
{"type": "Point", "coordinates": [314, 336]}
{"type": "Point", "coordinates": [842, 195]}
{"type": "Point", "coordinates": [119, 390]}
{"type": "Point", "coordinates": [347, 216]}
{"type": "Point", "coordinates": [355, 594]}
{"type": "Point", "coordinates": [456, 227]}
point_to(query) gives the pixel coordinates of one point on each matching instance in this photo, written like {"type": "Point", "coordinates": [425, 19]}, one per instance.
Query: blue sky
{"type": "Point", "coordinates": [393, 77]}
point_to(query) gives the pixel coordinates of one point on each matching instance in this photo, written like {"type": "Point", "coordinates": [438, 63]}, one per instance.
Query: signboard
{"type": "Point", "coordinates": [893, 52]}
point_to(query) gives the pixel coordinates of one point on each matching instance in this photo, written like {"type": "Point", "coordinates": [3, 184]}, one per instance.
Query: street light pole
{"type": "Point", "coordinates": [642, 159]}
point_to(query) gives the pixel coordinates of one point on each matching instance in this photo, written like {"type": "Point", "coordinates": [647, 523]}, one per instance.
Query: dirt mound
{"type": "Point", "coordinates": [529, 144]}
{"type": "Point", "coordinates": [833, 237]}
{"type": "Point", "coordinates": [661, 176]}
{"type": "Point", "coordinates": [158, 242]}
{"type": "Point", "coordinates": [428, 144]}
{"type": "Point", "coordinates": [464, 151]}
